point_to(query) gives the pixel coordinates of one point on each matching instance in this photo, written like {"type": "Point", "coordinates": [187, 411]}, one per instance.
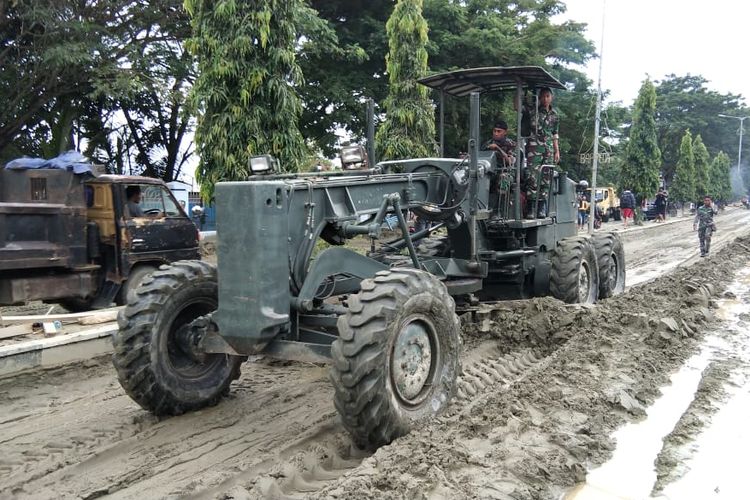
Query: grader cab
{"type": "Point", "coordinates": [387, 321]}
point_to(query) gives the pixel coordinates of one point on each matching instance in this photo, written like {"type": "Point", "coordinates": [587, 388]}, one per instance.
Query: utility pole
{"type": "Point", "coordinates": [592, 208]}
{"type": "Point", "coordinates": [739, 151]}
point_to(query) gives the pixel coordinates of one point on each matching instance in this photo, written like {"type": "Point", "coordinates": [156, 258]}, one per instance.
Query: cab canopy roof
{"type": "Point", "coordinates": [462, 82]}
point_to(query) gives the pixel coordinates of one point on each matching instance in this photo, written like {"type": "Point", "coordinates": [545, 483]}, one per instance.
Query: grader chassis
{"type": "Point", "coordinates": [387, 322]}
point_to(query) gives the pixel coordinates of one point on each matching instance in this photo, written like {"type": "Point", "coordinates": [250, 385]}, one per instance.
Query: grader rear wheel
{"type": "Point", "coordinates": [574, 277]}
{"type": "Point", "coordinates": [156, 356]}
{"type": "Point", "coordinates": [610, 259]}
{"type": "Point", "coordinates": [396, 361]}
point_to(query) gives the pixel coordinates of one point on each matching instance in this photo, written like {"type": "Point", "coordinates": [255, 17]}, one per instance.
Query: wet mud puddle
{"type": "Point", "coordinates": [688, 445]}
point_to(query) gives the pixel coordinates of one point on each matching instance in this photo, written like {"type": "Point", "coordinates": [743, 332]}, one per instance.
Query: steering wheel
{"type": "Point", "coordinates": [152, 211]}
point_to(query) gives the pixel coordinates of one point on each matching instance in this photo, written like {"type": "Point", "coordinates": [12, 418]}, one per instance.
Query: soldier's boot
{"type": "Point", "coordinates": [530, 209]}
{"type": "Point", "coordinates": [542, 210]}
{"type": "Point", "coordinates": [707, 245]}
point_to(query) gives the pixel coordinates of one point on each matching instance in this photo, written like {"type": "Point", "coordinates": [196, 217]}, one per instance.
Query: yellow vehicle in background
{"type": "Point", "coordinates": [608, 202]}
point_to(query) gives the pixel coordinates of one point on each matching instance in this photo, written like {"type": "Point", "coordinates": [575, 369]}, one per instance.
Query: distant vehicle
{"type": "Point", "coordinates": [608, 202]}
{"type": "Point", "coordinates": [68, 238]}
{"type": "Point", "coordinates": [649, 210]}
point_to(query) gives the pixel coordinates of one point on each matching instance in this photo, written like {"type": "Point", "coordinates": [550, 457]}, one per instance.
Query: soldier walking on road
{"type": "Point", "coordinates": [704, 222]}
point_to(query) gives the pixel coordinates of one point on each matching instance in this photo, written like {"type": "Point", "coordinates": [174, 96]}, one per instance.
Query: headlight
{"type": "Point", "coordinates": [262, 164]}
{"type": "Point", "coordinates": [353, 157]}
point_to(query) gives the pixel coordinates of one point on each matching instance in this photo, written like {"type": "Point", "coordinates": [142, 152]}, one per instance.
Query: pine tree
{"type": "Point", "coordinates": [409, 128]}
{"type": "Point", "coordinates": [702, 166]}
{"type": "Point", "coordinates": [720, 177]}
{"type": "Point", "coordinates": [683, 185]}
{"type": "Point", "coordinates": [639, 171]}
{"type": "Point", "coordinates": [245, 89]}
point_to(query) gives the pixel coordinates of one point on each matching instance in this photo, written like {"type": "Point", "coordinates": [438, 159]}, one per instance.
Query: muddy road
{"type": "Point", "coordinates": [544, 386]}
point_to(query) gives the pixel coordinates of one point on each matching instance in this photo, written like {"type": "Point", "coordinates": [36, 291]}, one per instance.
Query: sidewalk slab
{"type": "Point", "coordinates": [62, 349]}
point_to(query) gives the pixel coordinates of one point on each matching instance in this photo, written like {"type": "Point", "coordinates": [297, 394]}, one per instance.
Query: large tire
{"type": "Point", "coordinates": [617, 215]}
{"type": "Point", "coordinates": [153, 358]}
{"type": "Point", "coordinates": [438, 246]}
{"type": "Point", "coordinates": [135, 279]}
{"type": "Point", "coordinates": [574, 277]}
{"type": "Point", "coordinates": [607, 215]}
{"type": "Point", "coordinates": [77, 304]}
{"type": "Point", "coordinates": [610, 259]}
{"type": "Point", "coordinates": [397, 358]}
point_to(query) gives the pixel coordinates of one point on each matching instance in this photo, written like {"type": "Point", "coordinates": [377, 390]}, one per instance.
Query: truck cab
{"type": "Point", "coordinates": [69, 238]}
{"type": "Point", "coordinates": [607, 202]}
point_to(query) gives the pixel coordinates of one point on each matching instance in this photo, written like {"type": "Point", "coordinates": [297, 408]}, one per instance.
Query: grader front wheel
{"type": "Point", "coordinates": [156, 356]}
{"type": "Point", "coordinates": [396, 361]}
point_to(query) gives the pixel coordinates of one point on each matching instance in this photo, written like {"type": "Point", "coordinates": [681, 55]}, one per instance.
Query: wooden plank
{"type": "Point", "coordinates": [15, 330]}
{"type": "Point", "coordinates": [61, 317]}
{"type": "Point", "coordinates": [96, 319]}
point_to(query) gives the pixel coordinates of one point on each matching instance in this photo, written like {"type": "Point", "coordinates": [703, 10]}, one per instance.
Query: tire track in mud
{"type": "Point", "coordinates": [305, 470]}
{"type": "Point", "coordinates": [238, 447]}
{"type": "Point", "coordinates": [61, 451]}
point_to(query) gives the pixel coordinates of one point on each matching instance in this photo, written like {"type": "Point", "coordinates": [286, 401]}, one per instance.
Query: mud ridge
{"type": "Point", "coordinates": [538, 438]}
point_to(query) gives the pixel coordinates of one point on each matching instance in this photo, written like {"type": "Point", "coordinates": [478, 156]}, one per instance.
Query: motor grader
{"type": "Point", "coordinates": [386, 321]}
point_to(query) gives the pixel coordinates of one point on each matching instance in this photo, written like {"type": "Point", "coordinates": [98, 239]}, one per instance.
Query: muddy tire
{"type": "Point", "coordinates": [439, 246]}
{"type": "Point", "coordinates": [617, 215]}
{"type": "Point", "coordinates": [610, 259]}
{"type": "Point", "coordinates": [574, 277]}
{"type": "Point", "coordinates": [130, 285]}
{"type": "Point", "coordinates": [397, 358]}
{"type": "Point", "coordinates": [153, 357]}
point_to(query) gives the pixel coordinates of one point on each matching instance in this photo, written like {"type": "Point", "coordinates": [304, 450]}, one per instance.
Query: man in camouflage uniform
{"type": "Point", "coordinates": [541, 149]}
{"type": "Point", "coordinates": [501, 144]}
{"type": "Point", "coordinates": [704, 222]}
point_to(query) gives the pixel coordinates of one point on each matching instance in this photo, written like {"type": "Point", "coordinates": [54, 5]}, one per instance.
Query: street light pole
{"type": "Point", "coordinates": [739, 152]}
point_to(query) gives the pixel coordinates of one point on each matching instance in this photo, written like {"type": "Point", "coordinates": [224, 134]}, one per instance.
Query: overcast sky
{"type": "Point", "coordinates": [659, 37]}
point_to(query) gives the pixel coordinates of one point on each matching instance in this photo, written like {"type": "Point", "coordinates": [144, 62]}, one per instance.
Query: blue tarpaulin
{"type": "Point", "coordinates": [70, 160]}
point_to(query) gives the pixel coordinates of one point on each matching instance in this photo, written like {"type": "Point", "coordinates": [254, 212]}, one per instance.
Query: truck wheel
{"type": "Point", "coordinates": [606, 215]}
{"type": "Point", "coordinates": [154, 353]}
{"type": "Point", "coordinates": [397, 356]}
{"type": "Point", "coordinates": [574, 277]}
{"type": "Point", "coordinates": [77, 304]}
{"type": "Point", "coordinates": [610, 258]}
{"type": "Point", "coordinates": [126, 295]}
{"type": "Point", "coordinates": [617, 215]}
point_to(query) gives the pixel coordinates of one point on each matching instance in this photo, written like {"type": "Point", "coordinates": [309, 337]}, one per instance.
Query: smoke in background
{"type": "Point", "coordinates": [738, 185]}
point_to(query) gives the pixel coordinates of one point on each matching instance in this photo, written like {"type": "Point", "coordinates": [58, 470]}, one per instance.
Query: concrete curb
{"type": "Point", "coordinates": [78, 346]}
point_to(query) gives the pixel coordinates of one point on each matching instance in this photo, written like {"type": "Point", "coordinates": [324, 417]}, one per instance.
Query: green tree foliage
{"type": "Point", "coordinates": [245, 91]}
{"type": "Point", "coordinates": [73, 70]}
{"type": "Point", "coordinates": [684, 102]}
{"type": "Point", "coordinates": [702, 167]}
{"type": "Point", "coordinates": [683, 185]}
{"type": "Point", "coordinates": [462, 35]}
{"type": "Point", "coordinates": [720, 177]}
{"type": "Point", "coordinates": [409, 128]}
{"type": "Point", "coordinates": [639, 170]}
{"type": "Point", "coordinates": [343, 64]}
{"type": "Point", "coordinates": [52, 57]}
{"type": "Point", "coordinates": [500, 33]}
